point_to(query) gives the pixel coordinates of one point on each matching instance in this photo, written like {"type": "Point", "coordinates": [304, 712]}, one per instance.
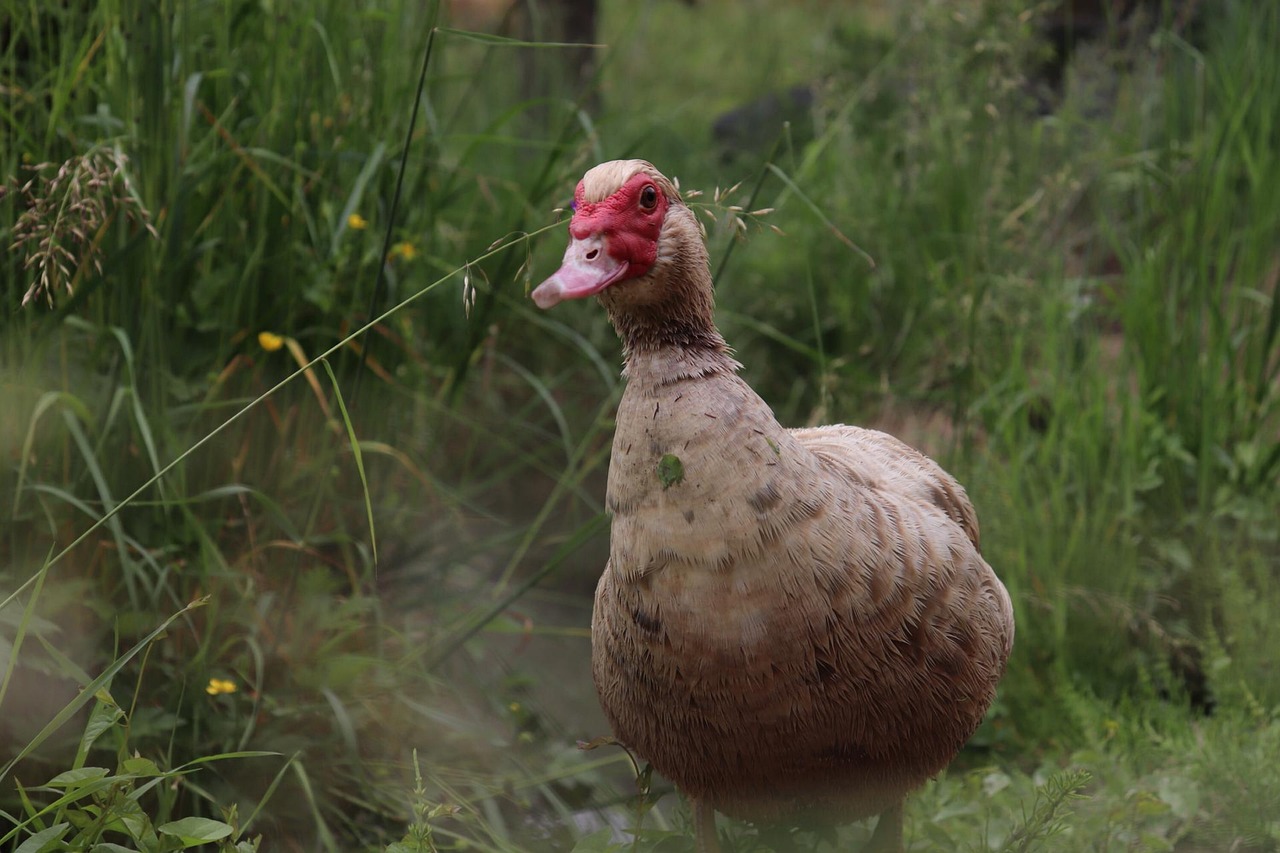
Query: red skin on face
{"type": "Point", "coordinates": [630, 231]}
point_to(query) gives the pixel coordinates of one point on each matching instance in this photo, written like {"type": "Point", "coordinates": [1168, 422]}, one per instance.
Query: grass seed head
{"type": "Point", "coordinates": [67, 213]}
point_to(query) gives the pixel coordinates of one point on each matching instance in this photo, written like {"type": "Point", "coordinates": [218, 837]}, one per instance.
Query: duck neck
{"type": "Point", "coordinates": [662, 366]}
{"type": "Point", "coordinates": [672, 338]}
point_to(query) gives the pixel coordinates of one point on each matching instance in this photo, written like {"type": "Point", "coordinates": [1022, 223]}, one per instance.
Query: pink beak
{"type": "Point", "coordinates": [586, 270]}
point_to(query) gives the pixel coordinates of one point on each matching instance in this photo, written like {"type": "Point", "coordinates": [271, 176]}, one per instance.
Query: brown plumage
{"type": "Point", "coordinates": [793, 622]}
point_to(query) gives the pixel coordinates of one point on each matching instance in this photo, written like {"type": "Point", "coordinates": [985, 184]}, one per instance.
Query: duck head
{"type": "Point", "coordinates": [636, 246]}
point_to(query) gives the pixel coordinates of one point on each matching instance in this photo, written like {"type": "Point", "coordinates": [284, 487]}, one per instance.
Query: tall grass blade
{"type": "Point", "coordinates": [46, 402]}
{"type": "Point", "coordinates": [817, 211]}
{"type": "Point", "coordinates": [354, 444]}
{"type": "Point", "coordinates": [379, 284]}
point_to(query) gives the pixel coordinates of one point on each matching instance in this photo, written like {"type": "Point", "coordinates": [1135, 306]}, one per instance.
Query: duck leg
{"type": "Point", "coordinates": [704, 826]}
{"type": "Point", "coordinates": [888, 835]}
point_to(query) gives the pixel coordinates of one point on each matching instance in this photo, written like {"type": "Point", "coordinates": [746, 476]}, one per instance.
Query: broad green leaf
{"type": "Point", "coordinates": [43, 839]}
{"type": "Point", "coordinates": [596, 842]}
{"type": "Point", "coordinates": [138, 766]}
{"type": "Point", "coordinates": [195, 830]}
{"type": "Point", "coordinates": [77, 778]}
{"type": "Point", "coordinates": [103, 717]}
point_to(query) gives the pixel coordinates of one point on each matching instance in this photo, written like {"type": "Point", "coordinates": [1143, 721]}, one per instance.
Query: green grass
{"type": "Point", "coordinates": [352, 612]}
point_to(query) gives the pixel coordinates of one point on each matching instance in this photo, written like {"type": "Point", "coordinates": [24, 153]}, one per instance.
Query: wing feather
{"type": "Point", "coordinates": [879, 461]}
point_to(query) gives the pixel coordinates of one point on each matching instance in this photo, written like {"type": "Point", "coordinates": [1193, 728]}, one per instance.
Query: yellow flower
{"type": "Point", "coordinates": [357, 222]}
{"type": "Point", "coordinates": [218, 686]}
{"type": "Point", "coordinates": [270, 341]}
{"type": "Point", "coordinates": [404, 249]}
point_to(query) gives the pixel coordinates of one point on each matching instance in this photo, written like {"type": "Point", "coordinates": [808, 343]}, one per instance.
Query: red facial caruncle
{"type": "Point", "coordinates": [613, 240]}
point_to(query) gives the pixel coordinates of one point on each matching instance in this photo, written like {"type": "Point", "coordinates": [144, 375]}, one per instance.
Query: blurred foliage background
{"type": "Point", "coordinates": [1037, 240]}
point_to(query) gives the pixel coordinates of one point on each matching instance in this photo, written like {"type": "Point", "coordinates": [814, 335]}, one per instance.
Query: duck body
{"type": "Point", "coordinates": [802, 625]}
{"type": "Point", "coordinates": [793, 623]}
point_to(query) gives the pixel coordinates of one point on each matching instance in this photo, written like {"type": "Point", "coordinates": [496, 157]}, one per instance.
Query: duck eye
{"type": "Point", "coordinates": [648, 197]}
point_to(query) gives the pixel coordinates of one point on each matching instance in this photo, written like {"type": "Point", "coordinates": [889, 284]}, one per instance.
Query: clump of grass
{"type": "Point", "coordinates": [1119, 453]}
{"type": "Point", "coordinates": [1049, 812]}
{"type": "Point", "coordinates": [418, 837]}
